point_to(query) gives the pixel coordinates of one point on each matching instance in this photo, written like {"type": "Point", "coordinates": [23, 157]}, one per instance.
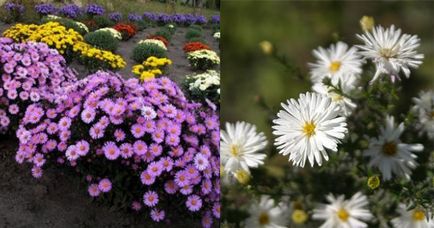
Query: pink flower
{"type": "Point", "coordinates": [71, 153]}
{"type": "Point", "coordinates": [105, 185]}
{"type": "Point", "coordinates": [111, 151]}
{"type": "Point", "coordinates": [140, 147]}
{"type": "Point", "coordinates": [157, 215]}
{"type": "Point", "coordinates": [155, 149]}
{"type": "Point", "coordinates": [181, 179]}
{"type": "Point", "coordinates": [126, 150]}
{"type": "Point", "coordinates": [38, 160]}
{"type": "Point", "coordinates": [170, 187]}
{"type": "Point", "coordinates": [88, 115]}
{"type": "Point", "coordinates": [150, 199]}
{"type": "Point", "coordinates": [200, 162]}
{"type": "Point", "coordinates": [194, 203]}
{"type": "Point", "coordinates": [155, 169]}
{"type": "Point", "coordinates": [64, 123]}
{"type": "Point", "coordinates": [137, 130]}
{"type": "Point", "coordinates": [136, 206]}
{"type": "Point", "coordinates": [146, 178]}
{"type": "Point", "coordinates": [96, 132]}
{"type": "Point", "coordinates": [119, 135]}
{"type": "Point", "coordinates": [36, 172]}
{"type": "Point", "coordinates": [93, 190]}
{"type": "Point", "coordinates": [82, 147]}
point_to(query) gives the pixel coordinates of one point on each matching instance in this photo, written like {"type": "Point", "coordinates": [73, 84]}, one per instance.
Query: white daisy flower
{"type": "Point", "coordinates": [424, 110]}
{"type": "Point", "coordinates": [390, 51]}
{"type": "Point", "coordinates": [415, 218]}
{"type": "Point", "coordinates": [338, 62]}
{"type": "Point", "coordinates": [347, 86]}
{"type": "Point", "coordinates": [307, 127]}
{"type": "Point", "coordinates": [341, 213]}
{"type": "Point", "coordinates": [239, 147]}
{"type": "Point", "coordinates": [389, 154]}
{"type": "Point", "coordinates": [266, 214]}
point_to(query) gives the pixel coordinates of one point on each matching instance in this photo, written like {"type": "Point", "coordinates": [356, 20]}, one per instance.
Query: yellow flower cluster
{"type": "Point", "coordinates": [150, 68]}
{"type": "Point", "coordinates": [63, 39]}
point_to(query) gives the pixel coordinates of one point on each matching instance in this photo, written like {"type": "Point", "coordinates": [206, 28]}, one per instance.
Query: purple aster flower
{"type": "Point", "coordinates": [146, 178]}
{"type": "Point", "coordinates": [111, 151]}
{"type": "Point", "coordinates": [94, 9]}
{"type": "Point", "coordinates": [45, 9]}
{"type": "Point", "coordinates": [127, 150]}
{"type": "Point", "coordinates": [155, 169]}
{"type": "Point", "coordinates": [157, 215]}
{"type": "Point", "coordinates": [150, 199]}
{"type": "Point", "coordinates": [140, 147]}
{"type": "Point", "coordinates": [194, 203]}
{"type": "Point", "coordinates": [105, 185]}
{"type": "Point", "coordinates": [115, 16]}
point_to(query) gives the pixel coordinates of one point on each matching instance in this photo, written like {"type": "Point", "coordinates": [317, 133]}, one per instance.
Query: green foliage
{"type": "Point", "coordinates": [143, 51]}
{"type": "Point", "coordinates": [196, 27]}
{"type": "Point", "coordinates": [141, 25]}
{"type": "Point", "coordinates": [164, 32]}
{"type": "Point", "coordinates": [103, 40]}
{"type": "Point", "coordinates": [193, 33]}
{"type": "Point", "coordinates": [103, 21]}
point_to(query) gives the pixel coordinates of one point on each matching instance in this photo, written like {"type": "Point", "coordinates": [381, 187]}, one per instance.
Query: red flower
{"type": "Point", "coordinates": [194, 46]}
{"type": "Point", "coordinates": [162, 39]}
{"type": "Point", "coordinates": [127, 30]}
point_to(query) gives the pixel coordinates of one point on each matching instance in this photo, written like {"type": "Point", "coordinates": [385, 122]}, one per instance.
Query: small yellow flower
{"type": "Point", "coordinates": [242, 176]}
{"type": "Point", "coordinates": [299, 216]}
{"type": "Point", "coordinates": [266, 47]}
{"type": "Point", "coordinates": [373, 182]}
{"type": "Point", "coordinates": [367, 23]}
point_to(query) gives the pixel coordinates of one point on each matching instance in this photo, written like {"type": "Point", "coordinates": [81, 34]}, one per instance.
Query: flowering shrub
{"type": "Point", "coordinates": [154, 41]}
{"type": "Point", "coordinates": [150, 68]}
{"type": "Point", "coordinates": [143, 51]}
{"type": "Point", "coordinates": [115, 16]}
{"type": "Point", "coordinates": [15, 10]}
{"type": "Point", "coordinates": [71, 11]}
{"type": "Point", "coordinates": [216, 36]}
{"type": "Point", "coordinates": [67, 42]}
{"type": "Point", "coordinates": [112, 31]}
{"type": "Point", "coordinates": [133, 17]}
{"type": "Point", "coordinates": [94, 10]}
{"type": "Point", "coordinates": [103, 40]}
{"type": "Point", "coordinates": [31, 72]}
{"type": "Point", "coordinates": [68, 23]}
{"type": "Point", "coordinates": [203, 87]}
{"type": "Point", "coordinates": [203, 59]}
{"type": "Point", "coordinates": [370, 163]}
{"type": "Point", "coordinates": [127, 30]}
{"type": "Point", "coordinates": [44, 9]}
{"type": "Point", "coordinates": [194, 46]}
{"type": "Point", "coordinates": [142, 146]}
{"type": "Point", "coordinates": [160, 38]}
{"type": "Point", "coordinates": [179, 19]}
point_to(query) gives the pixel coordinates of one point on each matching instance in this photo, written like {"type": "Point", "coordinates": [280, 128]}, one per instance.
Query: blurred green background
{"type": "Point", "coordinates": [296, 28]}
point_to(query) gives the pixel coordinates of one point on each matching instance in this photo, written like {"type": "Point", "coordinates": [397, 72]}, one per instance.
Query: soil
{"type": "Point", "coordinates": [59, 200]}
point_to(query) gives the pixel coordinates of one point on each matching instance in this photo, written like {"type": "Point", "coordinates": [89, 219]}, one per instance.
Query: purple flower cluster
{"type": "Point", "coordinates": [45, 9]}
{"type": "Point", "coordinates": [134, 17]}
{"type": "Point", "coordinates": [215, 19]}
{"type": "Point", "coordinates": [14, 7]}
{"type": "Point", "coordinates": [71, 11]}
{"type": "Point", "coordinates": [179, 19]}
{"type": "Point", "coordinates": [94, 9]}
{"type": "Point", "coordinates": [115, 16]}
{"type": "Point", "coordinates": [30, 72]}
{"type": "Point", "coordinates": [168, 145]}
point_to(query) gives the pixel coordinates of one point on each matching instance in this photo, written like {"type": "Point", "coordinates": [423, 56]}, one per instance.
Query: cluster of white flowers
{"type": "Point", "coordinates": [81, 25]}
{"type": "Point", "coordinates": [154, 41]}
{"type": "Point", "coordinates": [204, 80]}
{"type": "Point", "coordinates": [216, 35]}
{"type": "Point", "coordinates": [204, 54]}
{"type": "Point", "coordinates": [308, 127]}
{"type": "Point", "coordinates": [115, 33]}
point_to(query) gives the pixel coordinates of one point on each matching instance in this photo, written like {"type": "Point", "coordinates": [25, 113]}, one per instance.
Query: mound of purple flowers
{"type": "Point", "coordinates": [134, 17]}
{"type": "Point", "coordinates": [71, 11]}
{"type": "Point", "coordinates": [30, 72]}
{"type": "Point", "coordinates": [94, 9]}
{"type": "Point", "coordinates": [14, 7]}
{"type": "Point", "coordinates": [179, 19]}
{"type": "Point", "coordinates": [115, 16]}
{"type": "Point", "coordinates": [45, 9]}
{"type": "Point", "coordinates": [215, 19]}
{"type": "Point", "coordinates": [140, 144]}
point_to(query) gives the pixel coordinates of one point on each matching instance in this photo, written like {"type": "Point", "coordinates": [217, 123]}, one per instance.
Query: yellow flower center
{"type": "Point", "coordinates": [343, 214]}
{"type": "Point", "coordinates": [299, 216]}
{"type": "Point", "coordinates": [242, 176]}
{"type": "Point", "coordinates": [336, 97]}
{"type": "Point", "coordinates": [309, 128]}
{"type": "Point", "coordinates": [387, 53]}
{"type": "Point", "coordinates": [418, 215]}
{"type": "Point", "coordinates": [235, 150]}
{"type": "Point", "coordinates": [335, 66]}
{"type": "Point", "coordinates": [389, 148]}
{"type": "Point", "coordinates": [264, 219]}
{"type": "Point", "coordinates": [373, 182]}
